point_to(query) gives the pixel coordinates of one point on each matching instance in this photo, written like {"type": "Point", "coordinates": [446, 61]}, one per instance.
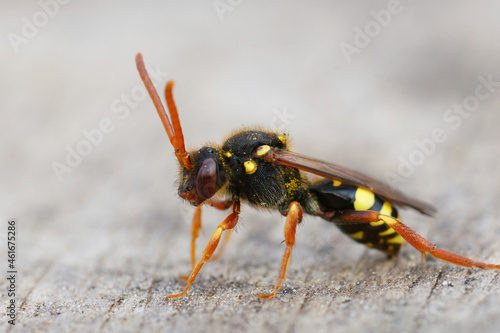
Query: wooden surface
{"type": "Point", "coordinates": [99, 250]}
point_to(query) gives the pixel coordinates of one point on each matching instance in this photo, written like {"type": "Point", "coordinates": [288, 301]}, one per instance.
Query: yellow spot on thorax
{"type": "Point", "coordinates": [364, 199]}
{"type": "Point", "coordinates": [250, 166]}
{"type": "Point", "coordinates": [262, 150]}
{"type": "Point", "coordinates": [337, 183]}
{"type": "Point", "coordinates": [282, 138]}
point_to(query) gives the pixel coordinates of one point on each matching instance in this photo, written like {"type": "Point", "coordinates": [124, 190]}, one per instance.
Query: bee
{"type": "Point", "coordinates": [256, 167]}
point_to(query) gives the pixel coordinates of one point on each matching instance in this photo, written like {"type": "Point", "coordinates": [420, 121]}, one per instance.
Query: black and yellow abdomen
{"type": "Point", "coordinates": [334, 196]}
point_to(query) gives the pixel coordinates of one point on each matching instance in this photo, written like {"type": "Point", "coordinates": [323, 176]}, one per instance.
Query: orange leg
{"type": "Point", "coordinates": [195, 230]}
{"type": "Point", "coordinates": [219, 204]}
{"type": "Point", "coordinates": [228, 223]}
{"type": "Point", "coordinates": [223, 245]}
{"type": "Point", "coordinates": [293, 218]}
{"type": "Point", "coordinates": [414, 239]}
{"type": "Point", "coordinates": [196, 226]}
{"type": "Point", "coordinates": [225, 241]}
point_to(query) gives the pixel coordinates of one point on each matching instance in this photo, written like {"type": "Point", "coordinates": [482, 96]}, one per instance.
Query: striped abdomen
{"type": "Point", "coordinates": [334, 196]}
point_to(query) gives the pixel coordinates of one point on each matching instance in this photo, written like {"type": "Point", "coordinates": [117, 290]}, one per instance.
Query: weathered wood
{"type": "Point", "coordinates": [332, 282]}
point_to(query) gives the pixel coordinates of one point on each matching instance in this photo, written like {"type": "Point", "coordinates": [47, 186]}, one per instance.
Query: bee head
{"type": "Point", "coordinates": [205, 179]}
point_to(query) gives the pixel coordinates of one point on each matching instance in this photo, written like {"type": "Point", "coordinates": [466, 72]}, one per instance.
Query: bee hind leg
{"type": "Point", "coordinates": [418, 242]}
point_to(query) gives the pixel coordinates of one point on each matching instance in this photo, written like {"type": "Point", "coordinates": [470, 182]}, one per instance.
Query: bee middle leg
{"type": "Point", "coordinates": [293, 217]}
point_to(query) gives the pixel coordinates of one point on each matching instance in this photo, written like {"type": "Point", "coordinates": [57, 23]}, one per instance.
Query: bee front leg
{"type": "Point", "coordinates": [293, 218]}
{"type": "Point", "coordinates": [227, 224]}
{"type": "Point", "coordinates": [196, 226]}
{"type": "Point", "coordinates": [222, 248]}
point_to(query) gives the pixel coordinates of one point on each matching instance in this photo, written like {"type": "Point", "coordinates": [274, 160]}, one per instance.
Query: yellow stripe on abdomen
{"type": "Point", "coordinates": [363, 199]}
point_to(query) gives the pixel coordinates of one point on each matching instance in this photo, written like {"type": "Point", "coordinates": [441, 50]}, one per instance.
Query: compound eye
{"type": "Point", "coordinates": [206, 179]}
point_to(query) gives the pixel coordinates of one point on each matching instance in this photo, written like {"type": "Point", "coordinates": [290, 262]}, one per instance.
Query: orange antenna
{"type": "Point", "coordinates": [181, 149]}
{"type": "Point", "coordinates": [174, 132]}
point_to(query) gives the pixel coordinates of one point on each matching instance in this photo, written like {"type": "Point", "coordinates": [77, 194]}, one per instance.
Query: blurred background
{"type": "Point", "coordinates": [377, 86]}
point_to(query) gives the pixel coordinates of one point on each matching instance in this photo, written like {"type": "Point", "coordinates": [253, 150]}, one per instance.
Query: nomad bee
{"type": "Point", "coordinates": [255, 166]}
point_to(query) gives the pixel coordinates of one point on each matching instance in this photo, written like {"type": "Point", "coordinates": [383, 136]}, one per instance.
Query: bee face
{"type": "Point", "coordinates": [207, 176]}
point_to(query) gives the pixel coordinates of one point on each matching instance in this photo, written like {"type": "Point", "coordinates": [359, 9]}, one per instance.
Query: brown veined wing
{"type": "Point", "coordinates": [336, 172]}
